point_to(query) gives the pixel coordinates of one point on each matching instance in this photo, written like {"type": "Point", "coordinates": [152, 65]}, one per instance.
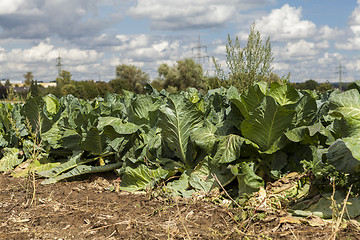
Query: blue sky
{"type": "Point", "coordinates": [310, 38]}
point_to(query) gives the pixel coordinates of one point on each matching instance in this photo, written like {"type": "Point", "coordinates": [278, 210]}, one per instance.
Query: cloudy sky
{"type": "Point", "coordinates": [310, 38]}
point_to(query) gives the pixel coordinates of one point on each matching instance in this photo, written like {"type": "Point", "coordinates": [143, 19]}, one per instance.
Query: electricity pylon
{"type": "Point", "coordinates": [198, 52]}
{"type": "Point", "coordinates": [59, 64]}
{"type": "Point", "coordinates": [340, 72]}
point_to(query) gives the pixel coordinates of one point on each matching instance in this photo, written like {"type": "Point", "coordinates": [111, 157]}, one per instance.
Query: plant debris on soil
{"type": "Point", "coordinates": [87, 209]}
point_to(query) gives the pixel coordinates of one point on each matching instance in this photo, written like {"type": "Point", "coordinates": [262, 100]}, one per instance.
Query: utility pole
{"type": "Point", "coordinates": [59, 64]}
{"type": "Point", "coordinates": [198, 49]}
{"type": "Point", "coordinates": [340, 72]}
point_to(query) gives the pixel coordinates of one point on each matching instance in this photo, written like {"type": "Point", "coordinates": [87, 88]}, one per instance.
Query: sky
{"type": "Point", "coordinates": [310, 39]}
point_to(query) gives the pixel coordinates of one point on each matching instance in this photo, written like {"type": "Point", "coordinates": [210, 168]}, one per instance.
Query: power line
{"type": "Point", "coordinates": [340, 72]}
{"type": "Point", "coordinates": [198, 55]}
{"type": "Point", "coordinates": [59, 64]}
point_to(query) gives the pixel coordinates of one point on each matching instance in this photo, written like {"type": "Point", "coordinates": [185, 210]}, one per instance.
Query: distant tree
{"type": "Point", "coordinates": [83, 89]}
{"type": "Point", "coordinates": [186, 73]}
{"type": "Point", "coordinates": [52, 90]}
{"type": "Point", "coordinates": [7, 83]}
{"type": "Point", "coordinates": [80, 89]}
{"type": "Point", "coordinates": [308, 85]}
{"type": "Point", "coordinates": [75, 90]}
{"type": "Point", "coordinates": [63, 79]}
{"type": "Point", "coordinates": [3, 92]}
{"type": "Point", "coordinates": [273, 77]}
{"type": "Point", "coordinates": [353, 85]}
{"type": "Point", "coordinates": [29, 78]}
{"type": "Point", "coordinates": [34, 89]}
{"type": "Point", "coordinates": [129, 77]}
{"type": "Point", "coordinates": [103, 88]}
{"type": "Point", "coordinates": [89, 88]}
{"type": "Point", "coordinates": [191, 74]}
{"type": "Point", "coordinates": [314, 85]}
{"type": "Point", "coordinates": [158, 84]}
{"type": "Point", "coordinates": [246, 65]}
{"type": "Point", "coordinates": [323, 87]}
{"type": "Point", "coordinates": [10, 93]}
{"type": "Point", "coordinates": [167, 77]}
{"type": "Point", "coordinates": [212, 82]}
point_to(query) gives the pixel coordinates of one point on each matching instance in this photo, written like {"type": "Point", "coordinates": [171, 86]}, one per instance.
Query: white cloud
{"type": "Point", "coordinates": [285, 23]}
{"type": "Point", "coordinates": [355, 16]}
{"type": "Point", "coordinates": [320, 67]}
{"type": "Point", "coordinates": [40, 59]}
{"type": "Point", "coordinates": [280, 66]}
{"type": "Point", "coordinates": [142, 50]}
{"type": "Point", "coordinates": [7, 7]}
{"type": "Point", "coordinates": [353, 42]}
{"type": "Point", "coordinates": [35, 19]}
{"type": "Point", "coordinates": [147, 48]}
{"type": "Point", "coordinates": [324, 44]}
{"type": "Point", "coordinates": [353, 65]}
{"type": "Point", "coordinates": [132, 42]}
{"type": "Point", "coordinates": [326, 32]}
{"type": "Point", "coordinates": [122, 37]}
{"type": "Point", "coordinates": [161, 46]}
{"type": "Point", "coordinates": [175, 15]}
{"type": "Point", "coordinates": [296, 50]}
{"type": "Point", "coordinates": [46, 52]}
{"type": "Point", "coordinates": [306, 60]}
{"type": "Point", "coordinates": [329, 59]}
{"type": "Point", "coordinates": [2, 55]}
{"type": "Point", "coordinates": [220, 49]}
{"type": "Point", "coordinates": [149, 51]}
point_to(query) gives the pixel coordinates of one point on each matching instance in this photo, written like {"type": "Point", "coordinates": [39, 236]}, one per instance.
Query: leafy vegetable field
{"type": "Point", "coordinates": [278, 143]}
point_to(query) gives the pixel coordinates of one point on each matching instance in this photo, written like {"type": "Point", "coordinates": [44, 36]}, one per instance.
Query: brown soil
{"type": "Point", "coordinates": [84, 209]}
